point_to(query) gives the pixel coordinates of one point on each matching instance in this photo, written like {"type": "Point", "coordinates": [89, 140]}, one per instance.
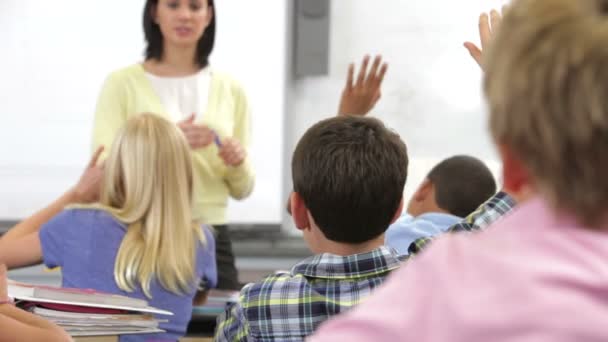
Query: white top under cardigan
{"type": "Point", "coordinates": [183, 96]}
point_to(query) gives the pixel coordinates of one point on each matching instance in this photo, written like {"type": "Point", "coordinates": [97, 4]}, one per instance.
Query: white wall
{"type": "Point", "coordinates": [57, 54]}
{"type": "Point", "coordinates": [431, 94]}
{"type": "Point", "coordinates": [55, 57]}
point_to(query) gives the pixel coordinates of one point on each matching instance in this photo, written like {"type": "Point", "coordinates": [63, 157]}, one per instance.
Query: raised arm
{"type": "Point", "coordinates": [20, 246]}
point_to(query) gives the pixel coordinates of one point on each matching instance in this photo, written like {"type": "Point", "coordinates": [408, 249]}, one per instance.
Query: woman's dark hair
{"type": "Point", "coordinates": [154, 37]}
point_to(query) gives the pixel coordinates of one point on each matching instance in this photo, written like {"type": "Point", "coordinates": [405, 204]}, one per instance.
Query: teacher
{"type": "Point", "coordinates": [210, 107]}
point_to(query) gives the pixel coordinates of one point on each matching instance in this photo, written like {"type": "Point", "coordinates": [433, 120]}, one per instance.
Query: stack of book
{"type": "Point", "coordinates": [88, 312]}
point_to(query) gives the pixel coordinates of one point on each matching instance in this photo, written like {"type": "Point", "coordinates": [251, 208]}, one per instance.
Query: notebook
{"type": "Point", "coordinates": [92, 324]}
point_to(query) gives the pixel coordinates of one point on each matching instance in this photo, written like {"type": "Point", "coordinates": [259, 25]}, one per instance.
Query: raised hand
{"type": "Point", "coordinates": [198, 136]}
{"type": "Point", "coordinates": [89, 185]}
{"type": "Point", "coordinates": [231, 152]}
{"type": "Point", "coordinates": [360, 96]}
{"type": "Point", "coordinates": [488, 25]}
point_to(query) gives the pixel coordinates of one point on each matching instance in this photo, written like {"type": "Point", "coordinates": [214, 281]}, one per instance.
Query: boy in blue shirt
{"type": "Point", "coordinates": [453, 189]}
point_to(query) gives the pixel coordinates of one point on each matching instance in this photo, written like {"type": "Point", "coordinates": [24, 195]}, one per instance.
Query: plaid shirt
{"type": "Point", "coordinates": [488, 213]}
{"type": "Point", "coordinates": [290, 306]}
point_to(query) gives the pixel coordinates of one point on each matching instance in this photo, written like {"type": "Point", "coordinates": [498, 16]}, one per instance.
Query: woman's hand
{"type": "Point", "coordinates": [198, 136]}
{"type": "Point", "coordinates": [488, 25]}
{"type": "Point", "coordinates": [231, 152]}
{"type": "Point", "coordinates": [360, 97]}
{"type": "Point", "coordinates": [89, 185]}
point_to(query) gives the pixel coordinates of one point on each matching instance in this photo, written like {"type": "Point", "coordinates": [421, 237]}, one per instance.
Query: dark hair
{"type": "Point", "coordinates": [462, 183]}
{"type": "Point", "coordinates": [350, 172]}
{"type": "Point", "coordinates": [154, 37]}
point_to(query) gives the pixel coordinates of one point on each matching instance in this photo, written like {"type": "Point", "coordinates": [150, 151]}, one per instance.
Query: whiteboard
{"type": "Point", "coordinates": [56, 55]}
{"type": "Point", "coordinates": [431, 95]}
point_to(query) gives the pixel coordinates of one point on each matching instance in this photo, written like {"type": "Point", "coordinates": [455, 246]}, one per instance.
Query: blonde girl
{"type": "Point", "coordinates": [140, 239]}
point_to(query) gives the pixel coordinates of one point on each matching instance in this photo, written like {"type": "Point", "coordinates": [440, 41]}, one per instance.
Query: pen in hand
{"type": "Point", "coordinates": [216, 137]}
{"type": "Point", "coordinates": [217, 140]}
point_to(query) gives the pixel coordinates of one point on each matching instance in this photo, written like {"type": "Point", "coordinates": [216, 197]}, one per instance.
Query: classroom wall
{"type": "Point", "coordinates": [431, 94]}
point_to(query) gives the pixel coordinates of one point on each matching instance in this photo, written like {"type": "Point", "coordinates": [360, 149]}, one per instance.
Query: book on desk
{"type": "Point", "coordinates": [84, 312]}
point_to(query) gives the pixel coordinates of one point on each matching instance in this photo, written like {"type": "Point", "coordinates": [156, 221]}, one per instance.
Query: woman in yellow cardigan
{"type": "Point", "coordinates": [210, 107]}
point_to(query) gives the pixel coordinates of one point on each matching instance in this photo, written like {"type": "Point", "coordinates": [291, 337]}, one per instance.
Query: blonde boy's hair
{"type": "Point", "coordinates": [148, 186]}
{"type": "Point", "coordinates": [547, 86]}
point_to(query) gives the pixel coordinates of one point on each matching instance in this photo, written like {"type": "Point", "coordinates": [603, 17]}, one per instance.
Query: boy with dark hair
{"type": "Point", "coordinates": [453, 189]}
{"type": "Point", "coordinates": [348, 175]}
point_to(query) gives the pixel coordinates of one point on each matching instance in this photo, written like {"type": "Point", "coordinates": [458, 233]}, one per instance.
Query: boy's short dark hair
{"type": "Point", "coordinates": [350, 172]}
{"type": "Point", "coordinates": [462, 183]}
{"type": "Point", "coordinates": [155, 41]}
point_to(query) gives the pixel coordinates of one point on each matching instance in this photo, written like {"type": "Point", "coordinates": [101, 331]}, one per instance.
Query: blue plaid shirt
{"type": "Point", "coordinates": [290, 306]}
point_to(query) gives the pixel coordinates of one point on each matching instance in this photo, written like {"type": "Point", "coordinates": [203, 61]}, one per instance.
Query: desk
{"type": "Point", "coordinates": [203, 321]}
{"type": "Point", "coordinates": [96, 339]}
{"type": "Point", "coordinates": [202, 325]}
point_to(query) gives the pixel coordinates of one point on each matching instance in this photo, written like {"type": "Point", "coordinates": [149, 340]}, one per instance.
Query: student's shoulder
{"type": "Point", "coordinates": [78, 221]}
{"type": "Point", "coordinates": [208, 235]}
{"type": "Point", "coordinates": [89, 216]}
{"type": "Point", "coordinates": [403, 223]}
{"type": "Point", "coordinates": [206, 247]}
{"type": "Point", "coordinates": [208, 231]}
{"type": "Point", "coordinates": [271, 288]}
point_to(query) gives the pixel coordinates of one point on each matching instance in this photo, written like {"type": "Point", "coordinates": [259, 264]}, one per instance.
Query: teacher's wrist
{"type": "Point", "coordinates": [240, 170]}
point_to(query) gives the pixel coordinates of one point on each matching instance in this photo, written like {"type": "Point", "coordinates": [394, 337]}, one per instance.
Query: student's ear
{"type": "Point", "coordinates": [423, 191]}
{"type": "Point", "coordinates": [399, 211]}
{"type": "Point", "coordinates": [299, 211]}
{"type": "Point", "coordinates": [514, 173]}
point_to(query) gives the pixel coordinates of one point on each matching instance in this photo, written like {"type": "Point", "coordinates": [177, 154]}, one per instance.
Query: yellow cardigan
{"type": "Point", "coordinates": [128, 92]}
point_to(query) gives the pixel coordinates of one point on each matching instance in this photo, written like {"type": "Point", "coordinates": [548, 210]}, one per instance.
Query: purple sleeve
{"type": "Point", "coordinates": [55, 237]}
{"type": "Point", "coordinates": [208, 262]}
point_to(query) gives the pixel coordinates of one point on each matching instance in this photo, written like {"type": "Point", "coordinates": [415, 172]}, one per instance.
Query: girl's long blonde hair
{"type": "Point", "coordinates": [148, 186]}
